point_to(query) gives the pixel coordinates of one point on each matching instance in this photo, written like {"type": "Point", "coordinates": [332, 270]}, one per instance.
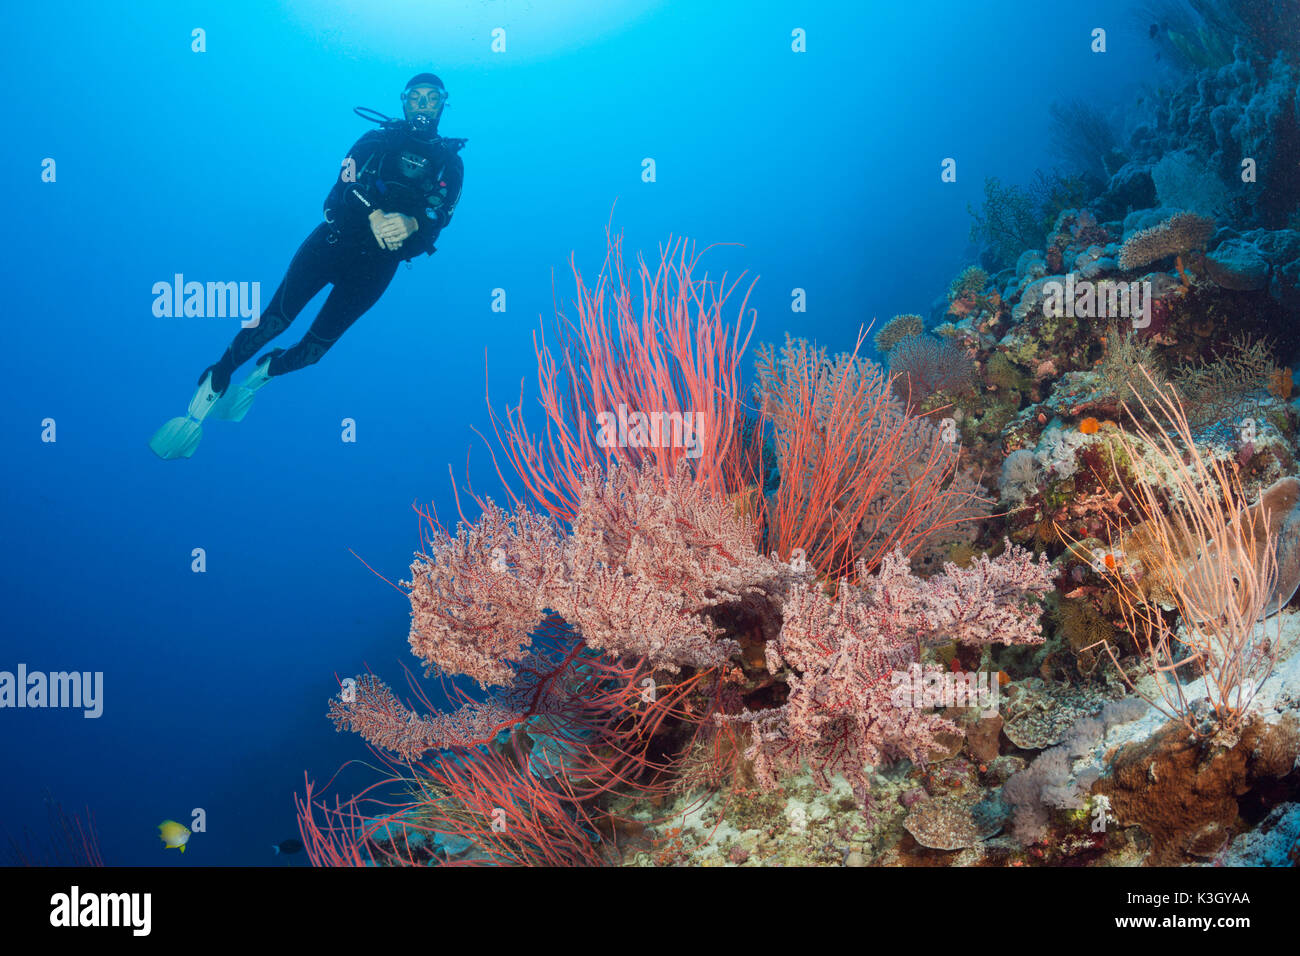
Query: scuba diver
{"type": "Point", "coordinates": [396, 191]}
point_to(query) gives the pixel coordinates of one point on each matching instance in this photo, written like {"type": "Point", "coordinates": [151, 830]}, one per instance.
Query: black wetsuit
{"type": "Point", "coordinates": [395, 172]}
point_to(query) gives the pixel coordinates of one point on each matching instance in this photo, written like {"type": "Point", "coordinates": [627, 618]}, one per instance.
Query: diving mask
{"type": "Point", "coordinates": [430, 99]}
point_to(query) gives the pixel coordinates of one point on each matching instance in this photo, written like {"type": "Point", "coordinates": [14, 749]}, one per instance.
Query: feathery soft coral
{"type": "Point", "coordinates": [647, 560]}
{"type": "Point", "coordinates": [838, 656]}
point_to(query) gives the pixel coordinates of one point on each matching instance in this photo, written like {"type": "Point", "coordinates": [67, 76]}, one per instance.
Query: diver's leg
{"type": "Point", "coordinates": [353, 294]}
{"type": "Point", "coordinates": [307, 274]}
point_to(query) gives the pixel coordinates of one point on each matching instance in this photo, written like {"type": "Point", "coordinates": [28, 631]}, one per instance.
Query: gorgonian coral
{"type": "Point", "coordinates": [837, 654]}
{"type": "Point", "coordinates": [1129, 368]}
{"type": "Point", "coordinates": [1229, 387]}
{"type": "Point", "coordinates": [645, 560]}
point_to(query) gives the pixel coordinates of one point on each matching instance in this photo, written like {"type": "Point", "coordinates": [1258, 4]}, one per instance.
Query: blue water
{"type": "Point", "coordinates": [824, 165]}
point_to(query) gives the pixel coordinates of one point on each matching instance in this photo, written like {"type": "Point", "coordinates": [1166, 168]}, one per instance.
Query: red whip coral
{"type": "Point", "coordinates": [672, 354]}
{"type": "Point", "coordinates": [519, 778]}
{"type": "Point", "coordinates": [860, 471]}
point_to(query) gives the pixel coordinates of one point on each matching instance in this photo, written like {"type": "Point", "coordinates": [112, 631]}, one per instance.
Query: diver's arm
{"type": "Point", "coordinates": [454, 176]}
{"type": "Point", "coordinates": [437, 213]}
{"type": "Point", "coordinates": [350, 201]}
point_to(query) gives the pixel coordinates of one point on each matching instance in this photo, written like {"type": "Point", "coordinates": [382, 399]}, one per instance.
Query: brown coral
{"type": "Point", "coordinates": [1179, 233]}
{"type": "Point", "coordinates": [1186, 795]}
{"type": "Point", "coordinates": [897, 329]}
{"type": "Point", "coordinates": [1223, 390]}
{"type": "Point", "coordinates": [952, 823]}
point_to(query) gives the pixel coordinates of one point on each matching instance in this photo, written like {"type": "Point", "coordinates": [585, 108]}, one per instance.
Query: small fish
{"type": "Point", "coordinates": [1155, 28]}
{"type": "Point", "coordinates": [173, 835]}
{"type": "Point", "coordinates": [287, 847]}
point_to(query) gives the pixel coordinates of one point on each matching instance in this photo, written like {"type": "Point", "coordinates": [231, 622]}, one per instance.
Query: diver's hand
{"type": "Point", "coordinates": [391, 229]}
{"type": "Point", "coordinates": [377, 221]}
{"type": "Point", "coordinates": [396, 228]}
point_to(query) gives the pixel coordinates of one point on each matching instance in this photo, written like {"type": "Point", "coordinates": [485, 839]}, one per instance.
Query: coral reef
{"type": "Point", "coordinates": [694, 659]}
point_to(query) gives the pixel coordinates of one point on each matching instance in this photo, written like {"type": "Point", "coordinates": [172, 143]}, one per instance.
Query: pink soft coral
{"type": "Point", "coordinates": [839, 654]}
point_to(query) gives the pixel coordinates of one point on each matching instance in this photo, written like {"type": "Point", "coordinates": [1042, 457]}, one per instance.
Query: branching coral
{"type": "Point", "coordinates": [477, 596]}
{"type": "Point", "coordinates": [370, 708]}
{"type": "Point", "coordinates": [1015, 218]}
{"type": "Point", "coordinates": [841, 715]}
{"type": "Point", "coordinates": [1002, 373]}
{"type": "Point", "coordinates": [1122, 365]}
{"type": "Point", "coordinates": [1009, 221]}
{"type": "Point", "coordinates": [646, 558]}
{"type": "Point", "coordinates": [1083, 137]}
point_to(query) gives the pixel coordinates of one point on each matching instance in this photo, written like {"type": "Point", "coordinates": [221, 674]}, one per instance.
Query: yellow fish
{"type": "Point", "coordinates": [173, 834]}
